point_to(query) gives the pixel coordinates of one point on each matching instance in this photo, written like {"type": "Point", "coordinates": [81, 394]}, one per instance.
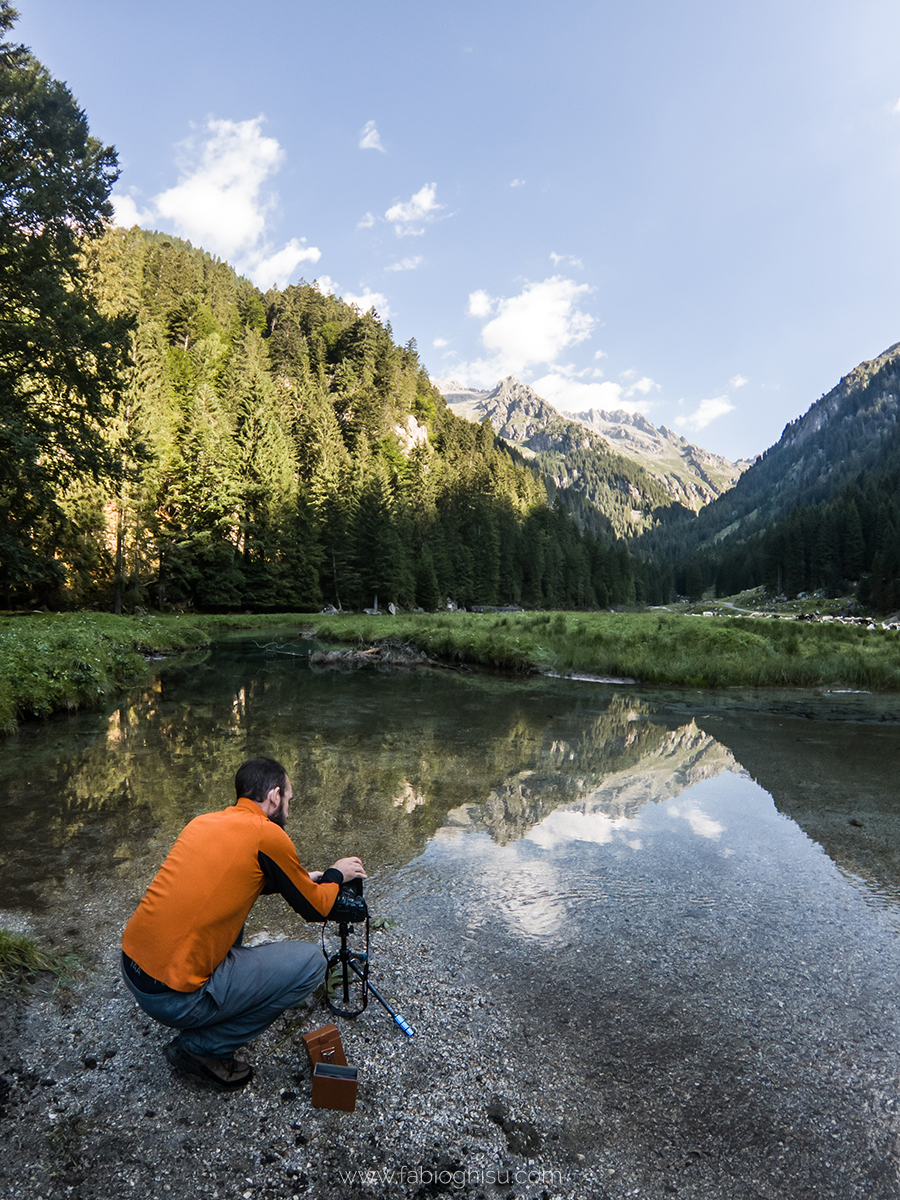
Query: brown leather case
{"type": "Point", "coordinates": [324, 1045]}
{"type": "Point", "coordinates": [334, 1086]}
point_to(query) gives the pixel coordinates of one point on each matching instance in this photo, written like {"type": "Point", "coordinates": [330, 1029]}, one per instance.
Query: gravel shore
{"type": "Point", "coordinates": [556, 1078]}
{"type": "Point", "coordinates": [91, 1110]}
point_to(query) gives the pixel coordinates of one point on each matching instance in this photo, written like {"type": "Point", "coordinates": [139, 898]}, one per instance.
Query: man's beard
{"type": "Point", "coordinates": [279, 816]}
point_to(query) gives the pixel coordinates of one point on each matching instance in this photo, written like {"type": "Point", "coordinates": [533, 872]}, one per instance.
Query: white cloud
{"type": "Point", "coordinates": [406, 264]}
{"type": "Point", "coordinates": [571, 395]}
{"type": "Point", "coordinates": [367, 299]}
{"type": "Point", "coordinates": [539, 323]}
{"type": "Point", "coordinates": [702, 824]}
{"type": "Point", "coordinates": [564, 826]}
{"type": "Point", "coordinates": [217, 202]}
{"type": "Point", "coordinates": [440, 343]}
{"type": "Point", "coordinates": [410, 219]}
{"type": "Point", "coordinates": [367, 222]}
{"type": "Point", "coordinates": [738, 381]}
{"type": "Point", "coordinates": [556, 259]}
{"type": "Point", "coordinates": [363, 300]}
{"type": "Point", "coordinates": [127, 212]}
{"type": "Point", "coordinates": [480, 304]}
{"type": "Point", "coordinates": [221, 201]}
{"type": "Point", "coordinates": [517, 183]}
{"type": "Point", "coordinates": [326, 285]}
{"type": "Point", "coordinates": [280, 266]}
{"type": "Point", "coordinates": [896, 107]}
{"type": "Point", "coordinates": [369, 138]}
{"type": "Point", "coordinates": [529, 329]}
{"type": "Point", "coordinates": [644, 385]}
{"type": "Point", "coordinates": [706, 412]}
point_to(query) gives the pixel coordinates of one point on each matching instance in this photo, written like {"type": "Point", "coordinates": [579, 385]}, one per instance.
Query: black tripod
{"type": "Point", "coordinates": [354, 963]}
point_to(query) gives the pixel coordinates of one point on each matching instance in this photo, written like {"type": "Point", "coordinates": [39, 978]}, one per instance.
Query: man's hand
{"type": "Point", "coordinates": [350, 868]}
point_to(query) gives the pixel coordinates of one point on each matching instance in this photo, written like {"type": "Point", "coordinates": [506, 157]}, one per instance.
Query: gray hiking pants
{"type": "Point", "coordinates": [248, 990]}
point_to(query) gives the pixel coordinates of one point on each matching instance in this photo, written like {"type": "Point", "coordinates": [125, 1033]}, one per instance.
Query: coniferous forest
{"type": "Point", "coordinates": [279, 452]}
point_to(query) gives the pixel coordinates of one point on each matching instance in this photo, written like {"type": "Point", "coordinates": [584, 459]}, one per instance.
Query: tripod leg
{"type": "Point", "coordinates": [398, 1020]}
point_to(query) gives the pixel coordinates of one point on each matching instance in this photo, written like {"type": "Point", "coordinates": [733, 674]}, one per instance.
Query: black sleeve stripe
{"type": "Point", "coordinates": [279, 881]}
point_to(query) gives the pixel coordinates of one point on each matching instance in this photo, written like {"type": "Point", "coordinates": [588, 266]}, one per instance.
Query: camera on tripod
{"type": "Point", "coordinates": [350, 906]}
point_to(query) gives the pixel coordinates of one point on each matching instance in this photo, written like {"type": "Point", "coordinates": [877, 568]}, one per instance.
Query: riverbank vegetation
{"type": "Point", "coordinates": [655, 648]}
{"type": "Point", "coordinates": [54, 661]}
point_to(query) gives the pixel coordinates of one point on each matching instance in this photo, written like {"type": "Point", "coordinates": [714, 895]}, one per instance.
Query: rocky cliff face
{"type": "Point", "coordinates": [694, 476]}
{"type": "Point", "coordinates": [686, 474]}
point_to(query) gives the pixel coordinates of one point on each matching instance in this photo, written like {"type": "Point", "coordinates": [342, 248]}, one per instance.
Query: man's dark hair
{"type": "Point", "coordinates": [256, 778]}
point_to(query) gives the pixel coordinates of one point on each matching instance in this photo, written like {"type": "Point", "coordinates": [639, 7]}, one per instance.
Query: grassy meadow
{"type": "Point", "coordinates": [51, 662]}
{"type": "Point", "coordinates": [651, 647]}
{"type": "Point", "coordinates": [54, 661]}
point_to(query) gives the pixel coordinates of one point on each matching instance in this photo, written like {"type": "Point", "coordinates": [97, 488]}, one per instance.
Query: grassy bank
{"type": "Point", "coordinates": [50, 662]}
{"type": "Point", "coordinates": [54, 661]}
{"type": "Point", "coordinates": [650, 647]}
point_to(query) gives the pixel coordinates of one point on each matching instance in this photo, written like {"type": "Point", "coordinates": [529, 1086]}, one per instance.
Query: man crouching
{"type": "Point", "coordinates": [182, 956]}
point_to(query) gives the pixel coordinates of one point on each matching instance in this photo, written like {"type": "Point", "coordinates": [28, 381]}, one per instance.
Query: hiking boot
{"type": "Point", "coordinates": [226, 1074]}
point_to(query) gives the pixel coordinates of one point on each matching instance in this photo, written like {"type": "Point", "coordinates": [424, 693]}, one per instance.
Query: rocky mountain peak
{"type": "Point", "coordinates": [691, 476]}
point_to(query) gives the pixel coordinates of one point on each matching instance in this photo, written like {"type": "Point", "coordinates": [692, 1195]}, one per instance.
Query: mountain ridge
{"type": "Point", "coordinates": [688, 475]}
{"type": "Point", "coordinates": [852, 429]}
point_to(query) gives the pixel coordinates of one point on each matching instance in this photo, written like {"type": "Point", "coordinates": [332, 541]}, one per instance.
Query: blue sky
{"type": "Point", "coordinates": [689, 209]}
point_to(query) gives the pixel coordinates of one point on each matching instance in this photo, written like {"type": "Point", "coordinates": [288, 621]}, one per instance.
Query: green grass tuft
{"type": "Point", "coordinates": [21, 959]}
{"type": "Point", "coordinates": [54, 661]}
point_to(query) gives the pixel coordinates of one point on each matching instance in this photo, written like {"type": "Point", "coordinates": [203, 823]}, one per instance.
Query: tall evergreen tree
{"type": "Point", "coordinates": [60, 358]}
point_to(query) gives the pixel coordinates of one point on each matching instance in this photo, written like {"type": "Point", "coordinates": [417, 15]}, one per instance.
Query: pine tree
{"type": "Point", "coordinates": [60, 358]}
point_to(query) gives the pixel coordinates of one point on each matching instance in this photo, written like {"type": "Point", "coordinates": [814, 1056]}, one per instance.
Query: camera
{"type": "Point", "coordinates": [350, 906]}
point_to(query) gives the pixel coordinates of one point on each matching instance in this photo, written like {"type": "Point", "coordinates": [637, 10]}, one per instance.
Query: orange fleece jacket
{"type": "Point", "coordinates": [196, 906]}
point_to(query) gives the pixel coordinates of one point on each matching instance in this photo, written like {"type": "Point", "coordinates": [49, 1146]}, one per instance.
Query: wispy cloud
{"type": "Point", "coordinates": [223, 201]}
{"type": "Point", "coordinates": [645, 385]}
{"type": "Point", "coordinates": [738, 381]}
{"type": "Point", "coordinates": [411, 217]}
{"type": "Point", "coordinates": [569, 261]}
{"type": "Point", "coordinates": [517, 183]}
{"type": "Point", "coordinates": [406, 264]}
{"type": "Point", "coordinates": [705, 413]}
{"type": "Point", "coordinates": [367, 299]}
{"type": "Point", "coordinates": [439, 343]}
{"type": "Point", "coordinates": [366, 222]}
{"type": "Point", "coordinates": [370, 139]}
{"type": "Point", "coordinates": [363, 300]}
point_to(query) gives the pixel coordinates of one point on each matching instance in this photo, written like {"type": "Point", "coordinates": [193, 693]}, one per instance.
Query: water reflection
{"type": "Point", "coordinates": [720, 844]}
{"type": "Point", "coordinates": [403, 767]}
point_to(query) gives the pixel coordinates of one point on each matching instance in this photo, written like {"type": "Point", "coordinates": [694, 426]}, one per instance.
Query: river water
{"type": "Point", "coordinates": [671, 883]}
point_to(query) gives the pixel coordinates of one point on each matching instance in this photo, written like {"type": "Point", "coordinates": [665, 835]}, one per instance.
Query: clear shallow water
{"type": "Point", "coordinates": [540, 805]}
